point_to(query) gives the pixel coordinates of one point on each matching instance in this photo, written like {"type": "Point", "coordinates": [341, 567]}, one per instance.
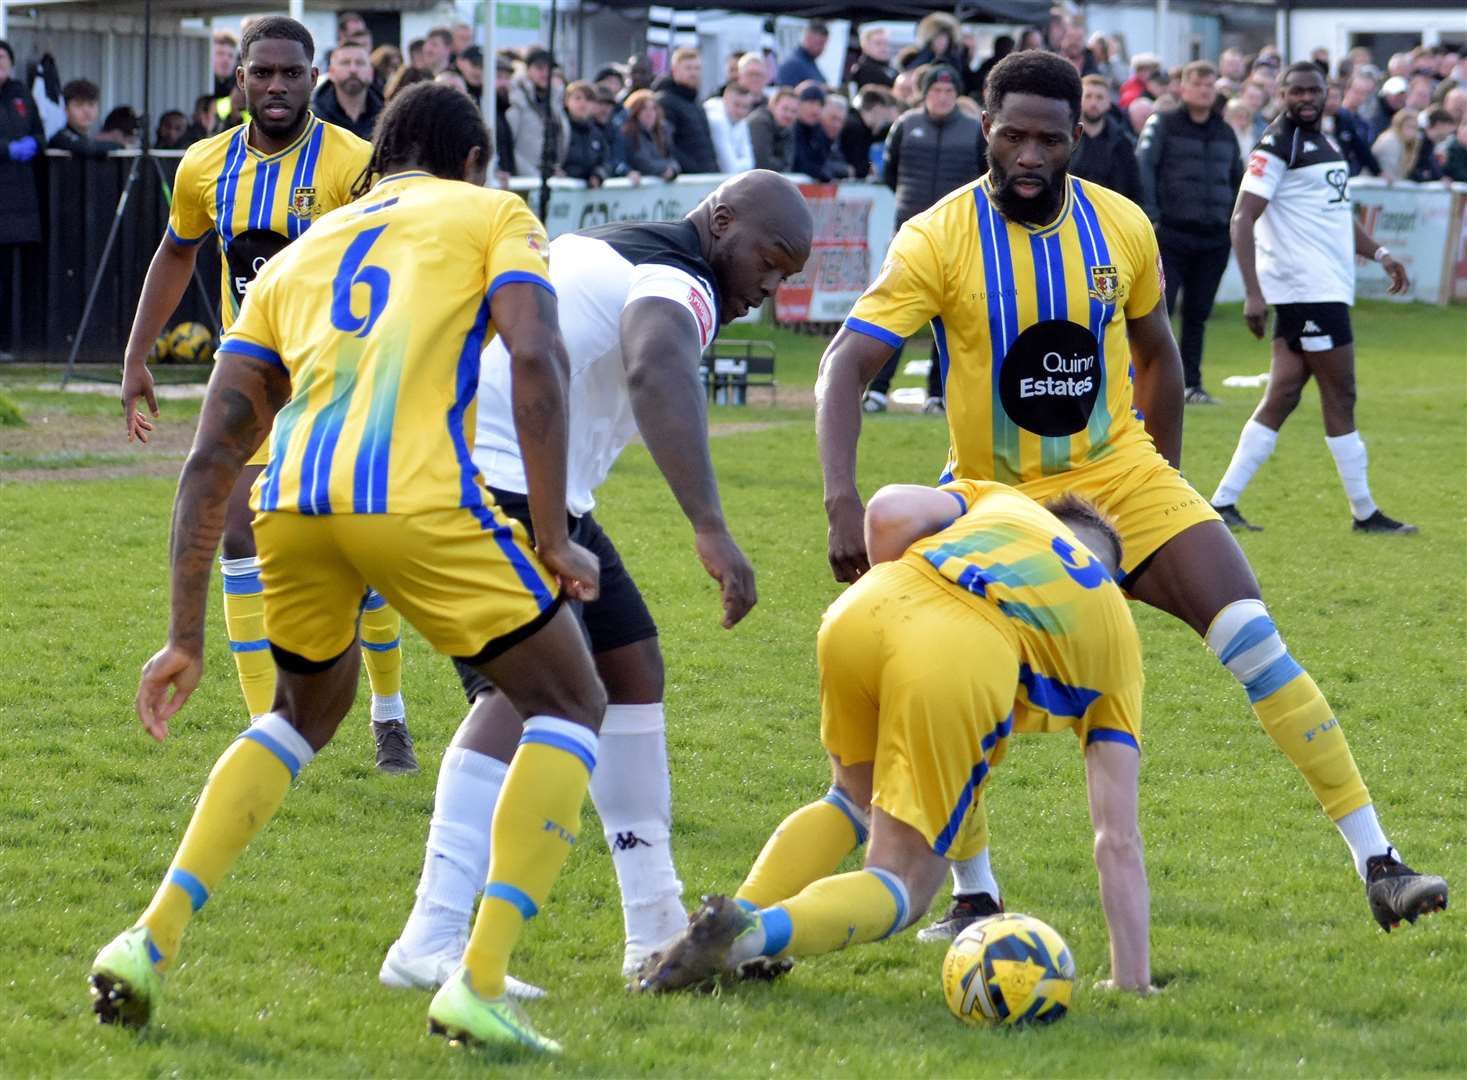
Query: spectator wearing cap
{"type": "Point", "coordinates": [587, 152]}
{"type": "Point", "coordinates": [1106, 155]}
{"type": "Point", "coordinates": [772, 131]}
{"type": "Point", "coordinates": [609, 116]}
{"type": "Point", "coordinates": [677, 93]}
{"type": "Point", "coordinates": [21, 136]}
{"type": "Point", "coordinates": [728, 121]}
{"type": "Point", "coordinates": [81, 97]}
{"type": "Point", "coordinates": [812, 145]}
{"type": "Point", "coordinates": [800, 66]}
{"type": "Point", "coordinates": [613, 82]}
{"type": "Point", "coordinates": [929, 152]}
{"type": "Point", "coordinates": [469, 62]}
{"type": "Point", "coordinates": [347, 98]}
{"type": "Point", "coordinates": [649, 142]}
{"type": "Point", "coordinates": [1386, 104]}
{"type": "Point", "coordinates": [873, 66]}
{"type": "Point", "coordinates": [530, 96]}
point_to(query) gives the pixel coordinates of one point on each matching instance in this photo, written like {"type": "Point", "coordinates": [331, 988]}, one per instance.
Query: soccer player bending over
{"type": "Point", "coordinates": [639, 302]}
{"type": "Point", "coordinates": [361, 344]}
{"type": "Point", "coordinates": [983, 614]}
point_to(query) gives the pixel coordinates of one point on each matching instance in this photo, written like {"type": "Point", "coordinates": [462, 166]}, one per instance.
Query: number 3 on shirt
{"type": "Point", "coordinates": [350, 274]}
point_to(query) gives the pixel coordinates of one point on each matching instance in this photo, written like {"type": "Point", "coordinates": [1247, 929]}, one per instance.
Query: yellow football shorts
{"type": "Point", "coordinates": [464, 583]}
{"type": "Point", "coordinates": [1149, 501]}
{"type": "Point", "coordinates": [922, 683]}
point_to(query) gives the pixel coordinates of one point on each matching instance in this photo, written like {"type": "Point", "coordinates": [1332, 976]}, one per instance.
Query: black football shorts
{"type": "Point", "coordinates": [1313, 328]}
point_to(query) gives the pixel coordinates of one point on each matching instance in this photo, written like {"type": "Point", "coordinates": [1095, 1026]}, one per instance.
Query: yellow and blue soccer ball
{"type": "Point", "coordinates": [160, 353]}
{"type": "Point", "coordinates": [191, 343]}
{"type": "Point", "coordinates": [1008, 969]}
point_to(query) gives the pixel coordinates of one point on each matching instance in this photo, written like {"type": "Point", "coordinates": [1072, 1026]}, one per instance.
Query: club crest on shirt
{"type": "Point", "coordinates": [303, 202]}
{"type": "Point", "coordinates": [1105, 284]}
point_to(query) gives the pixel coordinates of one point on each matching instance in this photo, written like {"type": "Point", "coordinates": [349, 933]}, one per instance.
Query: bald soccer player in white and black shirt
{"type": "Point", "coordinates": [639, 303]}
{"type": "Point", "coordinates": [1296, 239]}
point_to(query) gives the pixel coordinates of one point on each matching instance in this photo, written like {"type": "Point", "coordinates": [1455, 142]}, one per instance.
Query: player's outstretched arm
{"type": "Point", "coordinates": [1367, 248]}
{"type": "Point", "coordinates": [901, 514]}
{"type": "Point", "coordinates": [850, 362]}
{"type": "Point", "coordinates": [164, 286]}
{"type": "Point", "coordinates": [1246, 212]}
{"type": "Point", "coordinates": [660, 348]}
{"type": "Point", "coordinates": [1112, 773]}
{"type": "Point", "coordinates": [527, 319]}
{"type": "Point", "coordinates": [1158, 380]}
{"type": "Point", "coordinates": [243, 397]}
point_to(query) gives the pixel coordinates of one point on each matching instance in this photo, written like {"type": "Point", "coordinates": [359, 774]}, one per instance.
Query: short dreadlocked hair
{"type": "Point", "coordinates": [430, 124]}
{"type": "Point", "coordinates": [277, 28]}
{"type": "Point", "coordinates": [1080, 513]}
{"type": "Point", "coordinates": [1033, 71]}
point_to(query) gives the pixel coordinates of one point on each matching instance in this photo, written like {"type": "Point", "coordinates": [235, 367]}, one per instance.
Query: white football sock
{"type": "Point", "coordinates": [1361, 830]}
{"type": "Point", "coordinates": [633, 795]}
{"type": "Point", "coordinates": [1351, 462]}
{"type": "Point", "coordinates": [974, 875]}
{"type": "Point", "coordinates": [1255, 445]}
{"type": "Point", "coordinates": [456, 863]}
{"type": "Point", "coordinates": [388, 708]}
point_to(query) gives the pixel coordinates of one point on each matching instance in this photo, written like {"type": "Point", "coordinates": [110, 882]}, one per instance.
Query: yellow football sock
{"type": "Point", "coordinates": [246, 787]}
{"type": "Point", "coordinates": [849, 909]}
{"type": "Point", "coordinates": [244, 619]}
{"type": "Point", "coordinates": [807, 846]}
{"type": "Point", "coordinates": [1299, 719]}
{"type": "Point", "coordinates": [1288, 704]}
{"type": "Point", "coordinates": [536, 821]}
{"type": "Point", "coordinates": [381, 631]}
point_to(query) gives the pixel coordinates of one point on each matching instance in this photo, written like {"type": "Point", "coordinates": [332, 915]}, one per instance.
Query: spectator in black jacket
{"type": "Point", "coordinates": [1190, 172]}
{"type": "Point", "coordinates": [347, 97]}
{"type": "Point", "coordinates": [929, 152]}
{"type": "Point", "coordinates": [587, 152]}
{"type": "Point", "coordinates": [812, 144]}
{"type": "Point", "coordinates": [1106, 155]}
{"type": "Point", "coordinates": [606, 113]}
{"type": "Point", "coordinates": [873, 66]}
{"type": "Point", "coordinates": [81, 97]}
{"type": "Point", "coordinates": [1351, 129]}
{"type": "Point", "coordinates": [122, 125]}
{"type": "Point", "coordinates": [503, 134]}
{"type": "Point", "coordinates": [772, 131]}
{"type": "Point", "coordinates": [867, 126]}
{"type": "Point", "coordinates": [1002, 46]}
{"type": "Point", "coordinates": [677, 93]}
{"type": "Point", "coordinates": [21, 136]}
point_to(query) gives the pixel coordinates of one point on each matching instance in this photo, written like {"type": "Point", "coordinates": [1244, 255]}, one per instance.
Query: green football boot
{"type": "Point", "coordinates": [125, 984]}
{"type": "Point", "coordinates": [462, 1016]}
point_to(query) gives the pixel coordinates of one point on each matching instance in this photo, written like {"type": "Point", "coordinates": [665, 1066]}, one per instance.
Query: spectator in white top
{"type": "Point", "coordinates": [728, 123]}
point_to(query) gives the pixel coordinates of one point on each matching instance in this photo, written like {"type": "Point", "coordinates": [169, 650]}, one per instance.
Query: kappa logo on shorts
{"type": "Point", "coordinates": [703, 315]}
{"type": "Point", "coordinates": [303, 202]}
{"type": "Point", "coordinates": [1105, 283]}
{"type": "Point", "coordinates": [1310, 327]}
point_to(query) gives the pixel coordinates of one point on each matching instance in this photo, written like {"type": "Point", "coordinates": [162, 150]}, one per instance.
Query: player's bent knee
{"type": "Point", "coordinates": [1247, 643]}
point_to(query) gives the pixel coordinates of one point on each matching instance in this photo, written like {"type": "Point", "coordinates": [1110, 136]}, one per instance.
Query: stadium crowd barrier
{"type": "Point", "coordinates": [1424, 225]}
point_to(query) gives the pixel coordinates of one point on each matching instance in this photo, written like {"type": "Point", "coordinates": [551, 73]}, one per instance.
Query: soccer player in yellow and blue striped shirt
{"type": "Point", "coordinates": [361, 345]}
{"type": "Point", "coordinates": [1046, 300]}
{"type": "Point", "coordinates": [255, 188]}
{"type": "Point", "coordinates": [985, 615]}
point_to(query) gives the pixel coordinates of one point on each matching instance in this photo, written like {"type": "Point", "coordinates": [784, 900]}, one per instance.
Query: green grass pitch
{"type": "Point", "coordinates": [1271, 963]}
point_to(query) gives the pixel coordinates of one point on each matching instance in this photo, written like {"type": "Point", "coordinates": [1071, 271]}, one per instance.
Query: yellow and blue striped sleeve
{"type": "Point", "coordinates": [906, 295]}
{"type": "Point", "coordinates": [1146, 284]}
{"type": "Point", "coordinates": [188, 216]}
